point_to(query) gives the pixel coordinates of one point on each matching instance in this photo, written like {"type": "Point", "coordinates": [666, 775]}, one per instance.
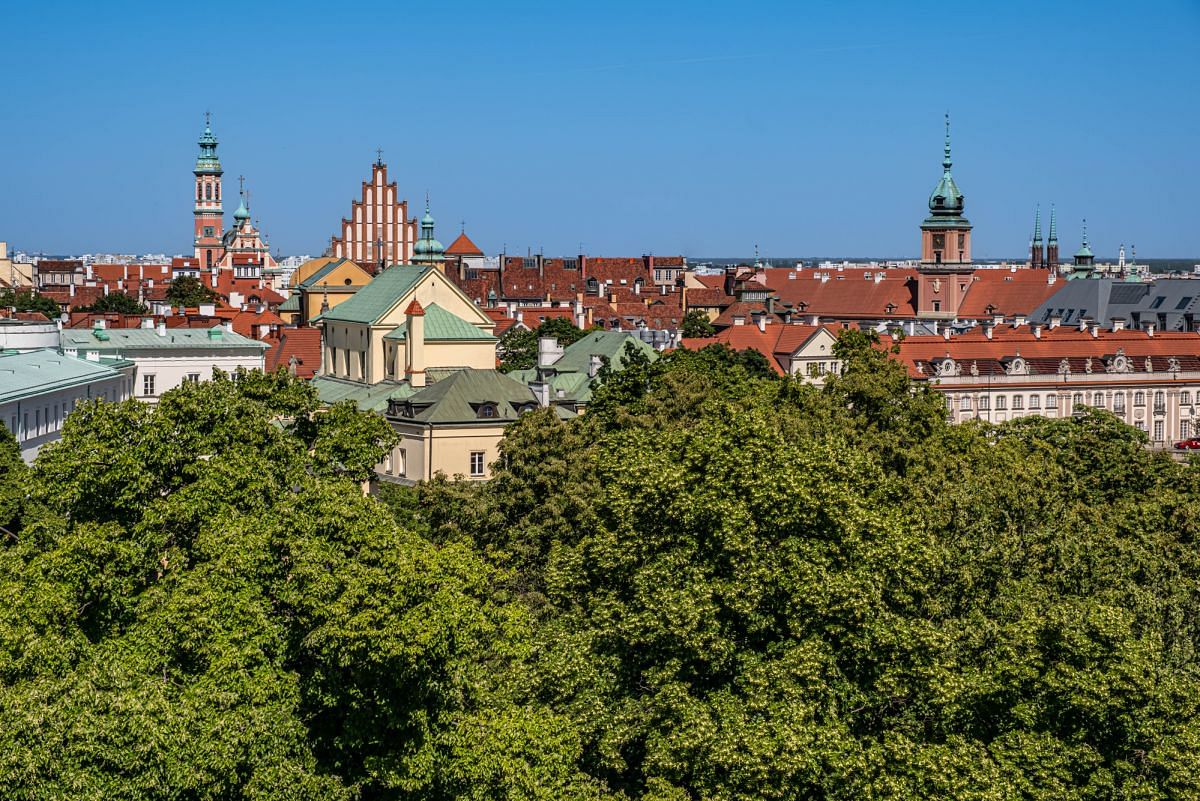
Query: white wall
{"type": "Point", "coordinates": [38, 419]}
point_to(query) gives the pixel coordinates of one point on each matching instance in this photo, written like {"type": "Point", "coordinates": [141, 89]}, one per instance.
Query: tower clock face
{"type": "Point", "coordinates": [939, 241]}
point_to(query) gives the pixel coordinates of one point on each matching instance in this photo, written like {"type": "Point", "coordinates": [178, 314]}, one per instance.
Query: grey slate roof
{"type": "Point", "coordinates": [462, 398]}
{"type": "Point", "coordinates": [1172, 304]}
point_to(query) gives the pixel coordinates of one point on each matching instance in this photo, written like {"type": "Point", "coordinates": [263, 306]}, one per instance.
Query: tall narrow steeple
{"type": "Point", "coordinates": [1052, 243]}
{"type": "Point", "coordinates": [945, 268]}
{"type": "Point", "coordinates": [428, 250]}
{"type": "Point", "coordinates": [1036, 252]}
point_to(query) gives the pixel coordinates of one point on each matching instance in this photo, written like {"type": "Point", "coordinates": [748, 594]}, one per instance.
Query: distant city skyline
{"type": "Point", "coordinates": [627, 128]}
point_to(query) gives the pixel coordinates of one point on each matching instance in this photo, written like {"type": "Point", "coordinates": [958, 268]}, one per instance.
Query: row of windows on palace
{"type": "Point", "coordinates": [1098, 399]}
{"type": "Point", "coordinates": [395, 463]}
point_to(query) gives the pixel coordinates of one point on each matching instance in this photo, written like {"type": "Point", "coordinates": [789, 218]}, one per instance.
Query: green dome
{"type": "Point", "coordinates": [946, 199]}
{"type": "Point", "coordinates": [242, 212]}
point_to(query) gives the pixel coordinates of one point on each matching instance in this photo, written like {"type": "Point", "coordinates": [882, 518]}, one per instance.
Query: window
{"type": "Point", "coordinates": [1157, 302]}
{"type": "Point", "coordinates": [1077, 399]}
{"type": "Point", "coordinates": [193, 378]}
{"type": "Point", "coordinates": [476, 464]}
{"type": "Point", "coordinates": [401, 462]}
{"type": "Point", "coordinates": [1098, 400]}
{"type": "Point", "coordinates": [1001, 402]}
{"type": "Point", "coordinates": [1052, 401]}
{"type": "Point", "coordinates": [1185, 429]}
{"type": "Point", "coordinates": [1119, 403]}
{"type": "Point", "coordinates": [1139, 399]}
{"type": "Point", "coordinates": [148, 384]}
{"type": "Point", "coordinates": [209, 230]}
{"type": "Point", "coordinates": [1018, 401]}
{"type": "Point", "coordinates": [965, 404]}
{"type": "Point", "coordinates": [1140, 425]}
{"type": "Point", "coordinates": [1158, 431]}
{"type": "Point", "coordinates": [984, 403]}
{"type": "Point", "coordinates": [487, 410]}
{"type": "Point", "coordinates": [1185, 398]}
{"type": "Point", "coordinates": [1160, 403]}
{"type": "Point", "coordinates": [937, 304]}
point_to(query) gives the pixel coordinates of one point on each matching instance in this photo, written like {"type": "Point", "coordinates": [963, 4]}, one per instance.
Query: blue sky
{"type": "Point", "coordinates": [703, 128]}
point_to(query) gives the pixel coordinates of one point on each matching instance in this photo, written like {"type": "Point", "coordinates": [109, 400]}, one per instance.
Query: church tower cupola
{"type": "Point", "coordinates": [428, 250]}
{"type": "Point", "coordinates": [208, 213]}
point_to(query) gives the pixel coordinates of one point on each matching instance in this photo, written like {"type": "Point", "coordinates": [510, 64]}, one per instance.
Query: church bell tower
{"type": "Point", "coordinates": [208, 212]}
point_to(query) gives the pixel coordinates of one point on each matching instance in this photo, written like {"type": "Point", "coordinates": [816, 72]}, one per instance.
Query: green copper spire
{"type": "Point", "coordinates": [1084, 252]}
{"type": "Point", "coordinates": [946, 201]}
{"type": "Point", "coordinates": [428, 250]}
{"type": "Point", "coordinates": [207, 162]}
{"type": "Point", "coordinates": [1037, 225]}
{"type": "Point", "coordinates": [1053, 229]}
{"type": "Point", "coordinates": [946, 157]}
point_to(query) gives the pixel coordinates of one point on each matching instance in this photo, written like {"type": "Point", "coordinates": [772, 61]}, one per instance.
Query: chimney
{"type": "Point", "coordinates": [147, 322]}
{"type": "Point", "coordinates": [1018, 321]}
{"type": "Point", "coordinates": [1118, 323]}
{"type": "Point", "coordinates": [946, 333]}
{"type": "Point", "coordinates": [208, 309]}
{"type": "Point", "coordinates": [541, 391]}
{"type": "Point", "coordinates": [761, 320]}
{"type": "Point", "coordinates": [814, 319]}
{"type": "Point", "coordinates": [1037, 332]}
{"type": "Point", "coordinates": [770, 304]}
{"type": "Point", "coordinates": [997, 319]}
{"type": "Point", "coordinates": [520, 316]}
{"type": "Point", "coordinates": [1149, 329]}
{"type": "Point", "coordinates": [595, 362]}
{"type": "Point", "coordinates": [1055, 321]}
{"type": "Point", "coordinates": [161, 328]}
{"type": "Point", "coordinates": [1084, 322]}
{"type": "Point", "coordinates": [987, 331]}
{"type": "Point", "coordinates": [548, 352]}
{"type": "Point", "coordinates": [99, 324]}
{"type": "Point", "coordinates": [414, 350]}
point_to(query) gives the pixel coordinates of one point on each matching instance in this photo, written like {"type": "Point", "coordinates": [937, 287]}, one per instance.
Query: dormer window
{"type": "Point", "coordinates": [486, 410]}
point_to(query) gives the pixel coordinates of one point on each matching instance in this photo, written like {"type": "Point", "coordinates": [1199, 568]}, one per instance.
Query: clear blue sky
{"type": "Point", "coordinates": [669, 127]}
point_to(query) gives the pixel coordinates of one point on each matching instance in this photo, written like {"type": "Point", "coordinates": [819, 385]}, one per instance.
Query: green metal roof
{"type": "Point", "coordinates": [368, 397]}
{"type": "Point", "coordinates": [459, 397]}
{"type": "Point", "coordinates": [370, 303]}
{"type": "Point", "coordinates": [122, 340]}
{"type": "Point", "coordinates": [321, 273]}
{"type": "Point", "coordinates": [441, 325]}
{"type": "Point", "coordinates": [292, 304]}
{"type": "Point", "coordinates": [38, 372]}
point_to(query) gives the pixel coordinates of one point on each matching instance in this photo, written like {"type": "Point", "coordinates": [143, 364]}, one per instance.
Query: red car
{"type": "Point", "coordinates": [1192, 444]}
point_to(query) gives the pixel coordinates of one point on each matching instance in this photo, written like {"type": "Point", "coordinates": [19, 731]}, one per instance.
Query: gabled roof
{"type": "Point", "coordinates": [441, 326]}
{"type": "Point", "coordinates": [1006, 292]}
{"type": "Point", "coordinates": [776, 343]}
{"type": "Point", "coordinates": [368, 397]}
{"type": "Point", "coordinates": [374, 300]}
{"type": "Point", "coordinates": [463, 246]}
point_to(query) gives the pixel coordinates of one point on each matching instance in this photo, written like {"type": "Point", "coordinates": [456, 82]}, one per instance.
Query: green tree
{"type": "Point", "coordinates": [118, 302]}
{"type": "Point", "coordinates": [696, 324]}
{"type": "Point", "coordinates": [189, 292]}
{"type": "Point", "coordinates": [26, 300]}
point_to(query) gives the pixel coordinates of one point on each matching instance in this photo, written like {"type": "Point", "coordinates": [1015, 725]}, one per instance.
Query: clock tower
{"type": "Point", "coordinates": [944, 274]}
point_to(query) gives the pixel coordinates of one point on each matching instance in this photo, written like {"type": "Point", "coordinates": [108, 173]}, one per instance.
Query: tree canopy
{"type": "Point", "coordinates": [118, 302]}
{"type": "Point", "coordinates": [26, 300]}
{"type": "Point", "coordinates": [188, 291]}
{"type": "Point", "coordinates": [718, 583]}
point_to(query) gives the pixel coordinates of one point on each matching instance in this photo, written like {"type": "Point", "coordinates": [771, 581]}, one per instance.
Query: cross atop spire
{"type": "Point", "coordinates": [207, 118]}
{"type": "Point", "coordinates": [379, 156]}
{"type": "Point", "coordinates": [1085, 242]}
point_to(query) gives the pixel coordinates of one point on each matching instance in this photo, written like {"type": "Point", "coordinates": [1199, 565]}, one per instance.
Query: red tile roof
{"type": "Point", "coordinates": [463, 246]}
{"type": "Point", "coordinates": [301, 344]}
{"type": "Point", "coordinates": [1006, 292]}
{"type": "Point", "coordinates": [847, 294]}
{"type": "Point", "coordinates": [776, 343]}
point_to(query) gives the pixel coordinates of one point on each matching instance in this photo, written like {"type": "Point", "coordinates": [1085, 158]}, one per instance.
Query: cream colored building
{"type": "Point", "coordinates": [371, 337]}
{"type": "Point", "coordinates": [18, 275]}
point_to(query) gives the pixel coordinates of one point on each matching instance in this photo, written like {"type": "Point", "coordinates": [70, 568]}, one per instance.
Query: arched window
{"type": "Point", "coordinates": [208, 191]}
{"type": "Point", "coordinates": [1018, 401]}
{"type": "Point", "coordinates": [1051, 401]}
{"type": "Point", "coordinates": [1035, 402]}
{"type": "Point", "coordinates": [1077, 400]}
{"type": "Point", "coordinates": [199, 192]}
